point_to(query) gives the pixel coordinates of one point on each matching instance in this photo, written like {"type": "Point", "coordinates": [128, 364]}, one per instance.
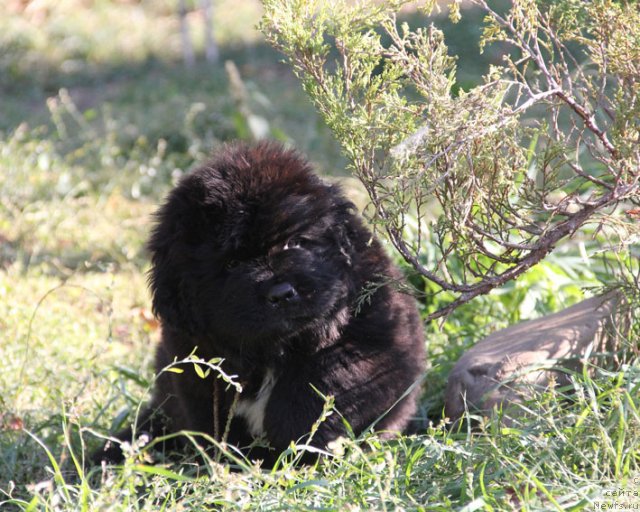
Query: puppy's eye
{"type": "Point", "coordinates": [298, 243]}
{"type": "Point", "coordinates": [231, 264]}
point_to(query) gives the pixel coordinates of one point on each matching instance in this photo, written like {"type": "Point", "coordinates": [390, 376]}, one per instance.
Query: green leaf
{"type": "Point", "coordinates": [199, 371]}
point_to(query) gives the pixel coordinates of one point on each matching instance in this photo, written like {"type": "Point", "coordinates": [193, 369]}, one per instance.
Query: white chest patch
{"type": "Point", "coordinates": [252, 408]}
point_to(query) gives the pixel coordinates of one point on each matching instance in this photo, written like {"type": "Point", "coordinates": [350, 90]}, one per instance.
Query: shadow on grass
{"type": "Point", "coordinates": [158, 98]}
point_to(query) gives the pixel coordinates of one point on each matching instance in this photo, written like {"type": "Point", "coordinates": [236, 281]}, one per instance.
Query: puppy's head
{"type": "Point", "coordinates": [253, 247]}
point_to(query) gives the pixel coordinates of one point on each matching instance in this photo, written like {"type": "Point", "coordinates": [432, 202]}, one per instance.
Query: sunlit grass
{"type": "Point", "coordinates": [77, 340]}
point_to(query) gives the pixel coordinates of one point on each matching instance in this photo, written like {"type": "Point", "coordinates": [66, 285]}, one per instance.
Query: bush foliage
{"type": "Point", "coordinates": [474, 187]}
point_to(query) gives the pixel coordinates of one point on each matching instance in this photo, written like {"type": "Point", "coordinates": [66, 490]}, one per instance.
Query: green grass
{"type": "Point", "coordinates": [99, 117]}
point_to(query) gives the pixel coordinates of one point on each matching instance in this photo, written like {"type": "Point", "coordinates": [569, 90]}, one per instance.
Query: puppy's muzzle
{"type": "Point", "coordinates": [282, 293]}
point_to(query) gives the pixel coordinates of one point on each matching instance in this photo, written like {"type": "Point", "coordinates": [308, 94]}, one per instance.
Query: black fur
{"type": "Point", "coordinates": [257, 261]}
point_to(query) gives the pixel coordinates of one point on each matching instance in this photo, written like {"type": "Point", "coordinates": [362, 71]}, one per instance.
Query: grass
{"type": "Point", "coordinates": [99, 117]}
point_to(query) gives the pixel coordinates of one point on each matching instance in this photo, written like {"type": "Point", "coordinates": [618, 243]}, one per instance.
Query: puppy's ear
{"type": "Point", "coordinates": [180, 225]}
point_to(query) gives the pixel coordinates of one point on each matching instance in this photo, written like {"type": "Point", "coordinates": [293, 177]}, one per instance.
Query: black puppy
{"type": "Point", "coordinates": [257, 261]}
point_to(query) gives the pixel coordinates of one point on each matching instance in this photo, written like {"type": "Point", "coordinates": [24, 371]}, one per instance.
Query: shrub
{"type": "Point", "coordinates": [546, 148]}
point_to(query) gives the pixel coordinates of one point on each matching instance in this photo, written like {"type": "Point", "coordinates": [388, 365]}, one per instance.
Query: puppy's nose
{"type": "Point", "coordinates": [281, 292]}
